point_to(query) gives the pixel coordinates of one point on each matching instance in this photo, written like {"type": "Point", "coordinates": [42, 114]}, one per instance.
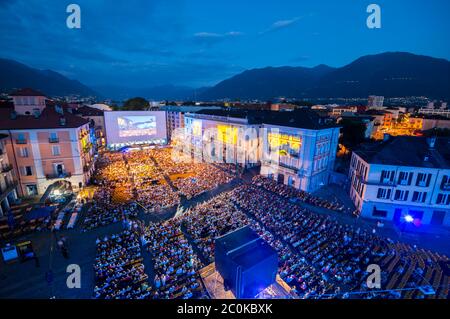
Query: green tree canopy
{"type": "Point", "coordinates": [136, 104]}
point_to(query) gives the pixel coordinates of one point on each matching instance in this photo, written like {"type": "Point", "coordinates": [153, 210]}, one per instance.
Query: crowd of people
{"type": "Point", "coordinates": [212, 219]}
{"type": "Point", "coordinates": [221, 215]}
{"type": "Point", "coordinates": [294, 193]}
{"type": "Point", "coordinates": [118, 268]}
{"type": "Point", "coordinates": [319, 256]}
{"type": "Point", "coordinates": [175, 263]}
{"type": "Point", "coordinates": [151, 188]}
{"type": "Point", "coordinates": [152, 178]}
{"type": "Point", "coordinates": [112, 199]}
{"type": "Point", "coordinates": [190, 177]}
{"type": "Point", "coordinates": [339, 253]}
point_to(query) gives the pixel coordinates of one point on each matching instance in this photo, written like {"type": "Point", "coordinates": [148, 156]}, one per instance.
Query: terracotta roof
{"type": "Point", "coordinates": [49, 118]}
{"type": "Point", "coordinates": [27, 92]}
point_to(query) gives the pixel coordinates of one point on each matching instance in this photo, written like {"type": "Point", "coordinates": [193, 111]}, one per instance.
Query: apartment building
{"type": "Point", "coordinates": [431, 111]}
{"type": "Point", "coordinates": [175, 120]}
{"type": "Point", "coordinates": [403, 176]}
{"type": "Point", "coordinates": [96, 120]}
{"type": "Point", "coordinates": [297, 148]}
{"type": "Point", "coordinates": [45, 143]}
{"type": "Point", "coordinates": [8, 181]}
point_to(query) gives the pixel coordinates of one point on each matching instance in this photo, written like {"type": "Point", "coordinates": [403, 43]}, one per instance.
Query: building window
{"type": "Point", "coordinates": [423, 180]}
{"type": "Point", "coordinates": [23, 152]}
{"type": "Point", "coordinates": [401, 195]}
{"type": "Point", "coordinates": [56, 150]}
{"type": "Point", "coordinates": [379, 213]}
{"type": "Point", "coordinates": [32, 190]}
{"type": "Point", "coordinates": [387, 177]}
{"type": "Point", "coordinates": [419, 197]}
{"type": "Point", "coordinates": [21, 138]}
{"type": "Point", "coordinates": [384, 193]}
{"type": "Point", "coordinates": [443, 199]}
{"type": "Point", "coordinates": [445, 184]}
{"type": "Point", "coordinates": [53, 137]}
{"type": "Point", "coordinates": [405, 178]}
{"type": "Point", "coordinates": [27, 171]}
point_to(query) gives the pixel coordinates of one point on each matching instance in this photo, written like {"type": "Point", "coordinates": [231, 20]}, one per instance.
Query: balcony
{"type": "Point", "coordinates": [61, 175]}
{"type": "Point", "coordinates": [5, 190]}
{"type": "Point", "coordinates": [53, 140]}
{"type": "Point", "coordinates": [6, 168]}
{"type": "Point", "coordinates": [445, 187]}
{"type": "Point", "coordinates": [21, 141]}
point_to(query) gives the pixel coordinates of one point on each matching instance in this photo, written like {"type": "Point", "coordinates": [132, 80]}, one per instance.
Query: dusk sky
{"type": "Point", "coordinates": [142, 43]}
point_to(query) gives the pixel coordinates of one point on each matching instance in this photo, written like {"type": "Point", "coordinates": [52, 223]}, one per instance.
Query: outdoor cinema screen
{"type": "Point", "coordinates": [125, 127]}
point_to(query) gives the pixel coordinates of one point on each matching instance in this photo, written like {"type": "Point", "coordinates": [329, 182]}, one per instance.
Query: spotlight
{"type": "Point", "coordinates": [409, 218]}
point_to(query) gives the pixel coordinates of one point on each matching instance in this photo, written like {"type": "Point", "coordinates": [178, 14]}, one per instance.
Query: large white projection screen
{"type": "Point", "coordinates": [129, 127]}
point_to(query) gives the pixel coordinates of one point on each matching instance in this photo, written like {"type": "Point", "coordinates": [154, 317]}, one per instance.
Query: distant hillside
{"type": "Point", "coordinates": [392, 74]}
{"type": "Point", "coordinates": [15, 75]}
{"type": "Point", "coordinates": [157, 93]}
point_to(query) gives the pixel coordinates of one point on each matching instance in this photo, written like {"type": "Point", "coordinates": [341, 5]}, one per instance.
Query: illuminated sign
{"type": "Point", "coordinates": [285, 142]}
{"type": "Point", "coordinates": [227, 134]}
{"type": "Point", "coordinates": [197, 128]}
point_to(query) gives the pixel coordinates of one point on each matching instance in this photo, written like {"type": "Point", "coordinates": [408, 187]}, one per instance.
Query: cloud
{"type": "Point", "coordinates": [281, 24]}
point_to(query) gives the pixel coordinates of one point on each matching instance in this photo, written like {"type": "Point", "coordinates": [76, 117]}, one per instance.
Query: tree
{"type": "Point", "coordinates": [353, 133]}
{"type": "Point", "coordinates": [136, 104]}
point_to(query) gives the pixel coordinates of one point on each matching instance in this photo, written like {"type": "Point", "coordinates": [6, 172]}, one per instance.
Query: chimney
{"type": "Point", "coordinates": [62, 121]}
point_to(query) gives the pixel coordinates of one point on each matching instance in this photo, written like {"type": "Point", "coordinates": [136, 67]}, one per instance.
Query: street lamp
{"type": "Point", "coordinates": [409, 218]}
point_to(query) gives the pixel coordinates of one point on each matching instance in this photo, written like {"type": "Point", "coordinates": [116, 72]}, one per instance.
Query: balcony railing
{"type": "Point", "coordinates": [6, 168]}
{"type": "Point", "coordinates": [60, 175]}
{"type": "Point", "coordinates": [445, 187]}
{"type": "Point", "coordinates": [53, 140]}
{"type": "Point", "coordinates": [21, 141]}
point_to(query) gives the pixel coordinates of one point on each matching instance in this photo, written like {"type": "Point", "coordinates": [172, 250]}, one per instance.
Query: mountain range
{"type": "Point", "coordinates": [15, 75]}
{"type": "Point", "coordinates": [391, 74]}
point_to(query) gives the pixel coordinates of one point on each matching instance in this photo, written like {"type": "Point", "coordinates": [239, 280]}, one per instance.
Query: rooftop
{"type": "Point", "coordinates": [88, 111]}
{"type": "Point", "coordinates": [299, 118]}
{"type": "Point", "coordinates": [48, 119]}
{"type": "Point", "coordinates": [411, 151]}
{"type": "Point", "coordinates": [27, 92]}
